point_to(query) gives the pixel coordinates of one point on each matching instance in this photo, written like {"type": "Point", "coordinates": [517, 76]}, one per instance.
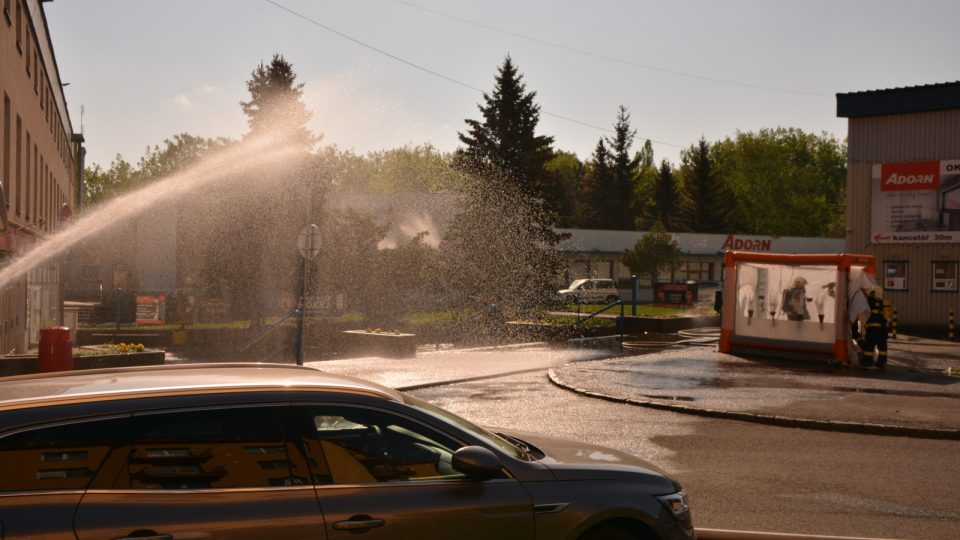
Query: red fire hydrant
{"type": "Point", "coordinates": [56, 351]}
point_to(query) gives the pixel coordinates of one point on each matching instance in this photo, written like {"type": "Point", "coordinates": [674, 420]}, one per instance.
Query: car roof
{"type": "Point", "coordinates": [171, 380]}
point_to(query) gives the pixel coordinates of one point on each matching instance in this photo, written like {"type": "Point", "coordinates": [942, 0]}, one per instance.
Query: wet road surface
{"type": "Point", "coordinates": [739, 475]}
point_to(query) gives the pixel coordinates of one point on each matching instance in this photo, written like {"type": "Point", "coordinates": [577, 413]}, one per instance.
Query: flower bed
{"type": "Point", "coordinates": [89, 357]}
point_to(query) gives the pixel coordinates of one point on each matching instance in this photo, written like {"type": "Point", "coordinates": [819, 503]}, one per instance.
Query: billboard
{"type": "Point", "coordinates": [915, 202]}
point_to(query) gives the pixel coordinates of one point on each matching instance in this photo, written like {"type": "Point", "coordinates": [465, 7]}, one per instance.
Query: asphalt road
{"type": "Point", "coordinates": [739, 475]}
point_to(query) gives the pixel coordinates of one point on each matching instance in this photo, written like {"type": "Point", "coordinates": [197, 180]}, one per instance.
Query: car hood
{"type": "Point", "coordinates": [572, 460]}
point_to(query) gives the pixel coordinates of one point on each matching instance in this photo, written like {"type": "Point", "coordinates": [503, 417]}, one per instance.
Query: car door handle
{"type": "Point", "coordinates": [145, 534]}
{"type": "Point", "coordinates": [358, 523]}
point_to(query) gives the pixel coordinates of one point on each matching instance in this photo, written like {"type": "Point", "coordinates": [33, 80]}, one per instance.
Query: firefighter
{"type": "Point", "coordinates": [874, 339]}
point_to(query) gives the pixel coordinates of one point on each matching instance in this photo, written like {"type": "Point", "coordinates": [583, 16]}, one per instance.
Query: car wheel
{"type": "Point", "coordinates": [609, 532]}
{"type": "Point", "coordinates": [611, 299]}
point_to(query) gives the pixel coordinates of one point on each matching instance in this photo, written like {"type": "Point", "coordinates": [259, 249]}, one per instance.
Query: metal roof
{"type": "Point", "coordinates": [615, 242]}
{"type": "Point", "coordinates": [911, 99]}
{"type": "Point", "coordinates": [153, 381]}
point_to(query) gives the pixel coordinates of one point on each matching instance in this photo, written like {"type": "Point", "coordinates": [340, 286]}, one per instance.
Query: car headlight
{"type": "Point", "coordinates": [679, 508]}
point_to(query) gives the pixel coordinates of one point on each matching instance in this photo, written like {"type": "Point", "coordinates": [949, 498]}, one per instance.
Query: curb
{"type": "Point", "coordinates": [781, 421]}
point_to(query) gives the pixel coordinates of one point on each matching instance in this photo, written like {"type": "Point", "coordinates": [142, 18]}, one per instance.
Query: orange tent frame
{"type": "Point", "coordinates": [729, 340]}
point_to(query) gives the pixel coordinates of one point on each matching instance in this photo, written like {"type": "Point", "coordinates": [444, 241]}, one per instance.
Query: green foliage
{"type": "Point", "coordinates": [598, 179]}
{"type": "Point", "coordinates": [707, 204]}
{"type": "Point", "coordinates": [787, 182]}
{"type": "Point", "coordinates": [421, 169]}
{"type": "Point", "coordinates": [656, 251]}
{"type": "Point", "coordinates": [662, 200]}
{"type": "Point", "coordinates": [567, 190]}
{"type": "Point", "coordinates": [613, 182]}
{"type": "Point", "coordinates": [276, 106]}
{"type": "Point", "coordinates": [505, 144]}
{"type": "Point", "coordinates": [175, 155]}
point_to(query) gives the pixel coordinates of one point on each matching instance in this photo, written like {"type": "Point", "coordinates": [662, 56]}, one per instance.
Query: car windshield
{"type": "Point", "coordinates": [448, 417]}
{"type": "Point", "coordinates": [576, 284]}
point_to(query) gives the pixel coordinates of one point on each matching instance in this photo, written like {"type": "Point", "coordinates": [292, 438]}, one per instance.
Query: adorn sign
{"type": "Point", "coordinates": [746, 244]}
{"type": "Point", "coordinates": [910, 176]}
{"type": "Point", "coordinates": [914, 202]}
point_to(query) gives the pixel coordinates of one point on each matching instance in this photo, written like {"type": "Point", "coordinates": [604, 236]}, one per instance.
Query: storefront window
{"type": "Point", "coordinates": [945, 276]}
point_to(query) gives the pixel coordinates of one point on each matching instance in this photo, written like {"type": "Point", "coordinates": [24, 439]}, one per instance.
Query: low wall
{"type": "Point", "coordinates": [25, 365]}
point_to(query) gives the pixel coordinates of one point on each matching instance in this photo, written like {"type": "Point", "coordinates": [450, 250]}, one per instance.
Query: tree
{"type": "Point", "coordinates": [656, 251]}
{"type": "Point", "coordinates": [599, 182]}
{"type": "Point", "coordinates": [787, 182]}
{"type": "Point", "coordinates": [567, 188]}
{"type": "Point", "coordinates": [707, 204]}
{"type": "Point", "coordinates": [624, 172]}
{"type": "Point", "coordinates": [176, 154]}
{"type": "Point", "coordinates": [662, 202]}
{"type": "Point", "coordinates": [505, 144]}
{"type": "Point", "coordinates": [276, 107]}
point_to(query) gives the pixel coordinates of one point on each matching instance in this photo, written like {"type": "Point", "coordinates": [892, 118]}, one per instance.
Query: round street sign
{"type": "Point", "coordinates": [308, 242]}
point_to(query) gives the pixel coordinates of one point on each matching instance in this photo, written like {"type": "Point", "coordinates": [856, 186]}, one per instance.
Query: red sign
{"type": "Point", "coordinates": [747, 244]}
{"type": "Point", "coordinates": [910, 176]}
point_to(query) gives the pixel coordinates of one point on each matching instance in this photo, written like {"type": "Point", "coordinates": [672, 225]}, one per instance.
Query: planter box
{"type": "Point", "coordinates": [361, 342]}
{"type": "Point", "coordinates": [25, 365]}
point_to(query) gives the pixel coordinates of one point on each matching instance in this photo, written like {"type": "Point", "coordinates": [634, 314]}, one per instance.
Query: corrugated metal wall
{"type": "Point", "coordinates": [892, 139]}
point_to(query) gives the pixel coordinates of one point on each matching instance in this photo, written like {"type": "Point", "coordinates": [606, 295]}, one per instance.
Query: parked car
{"type": "Point", "coordinates": [590, 291]}
{"type": "Point", "coordinates": [274, 451]}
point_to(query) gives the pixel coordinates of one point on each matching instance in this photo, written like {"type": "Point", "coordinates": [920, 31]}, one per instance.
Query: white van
{"type": "Point", "coordinates": [591, 291]}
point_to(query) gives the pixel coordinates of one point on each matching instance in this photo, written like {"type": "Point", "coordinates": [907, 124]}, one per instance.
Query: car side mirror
{"type": "Point", "coordinates": [476, 462]}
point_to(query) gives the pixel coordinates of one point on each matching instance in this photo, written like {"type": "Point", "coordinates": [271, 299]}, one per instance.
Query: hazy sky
{"type": "Point", "coordinates": [146, 70]}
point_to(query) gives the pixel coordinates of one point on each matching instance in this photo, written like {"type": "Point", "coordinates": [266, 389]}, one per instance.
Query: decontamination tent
{"type": "Point", "coordinates": [800, 303]}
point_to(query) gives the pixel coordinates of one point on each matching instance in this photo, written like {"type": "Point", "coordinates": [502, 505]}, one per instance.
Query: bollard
{"type": "Point", "coordinates": [56, 351]}
{"type": "Point", "coordinates": [893, 323]}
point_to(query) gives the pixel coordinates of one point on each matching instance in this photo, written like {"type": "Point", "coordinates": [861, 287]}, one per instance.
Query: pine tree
{"type": "Point", "coordinates": [276, 106]}
{"type": "Point", "coordinates": [707, 204]}
{"type": "Point", "coordinates": [505, 144]}
{"type": "Point", "coordinates": [662, 202]}
{"type": "Point", "coordinates": [623, 174]}
{"type": "Point", "coordinates": [599, 181]}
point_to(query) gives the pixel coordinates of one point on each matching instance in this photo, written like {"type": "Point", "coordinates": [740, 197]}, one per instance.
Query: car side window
{"type": "Point", "coordinates": [61, 457]}
{"type": "Point", "coordinates": [242, 447]}
{"type": "Point", "coordinates": [349, 445]}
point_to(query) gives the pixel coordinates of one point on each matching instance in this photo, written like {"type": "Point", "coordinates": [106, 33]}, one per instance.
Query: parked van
{"type": "Point", "coordinates": [591, 291]}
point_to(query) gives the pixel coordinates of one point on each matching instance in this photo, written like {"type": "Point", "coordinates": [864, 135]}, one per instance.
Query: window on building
{"type": "Point", "coordinates": [697, 270]}
{"type": "Point", "coordinates": [36, 181]}
{"type": "Point", "coordinates": [19, 26]}
{"type": "Point", "coordinates": [895, 275]}
{"type": "Point", "coordinates": [19, 171]}
{"type": "Point", "coordinates": [90, 272]}
{"type": "Point", "coordinates": [26, 183]}
{"type": "Point", "coordinates": [6, 148]}
{"type": "Point", "coordinates": [945, 276]}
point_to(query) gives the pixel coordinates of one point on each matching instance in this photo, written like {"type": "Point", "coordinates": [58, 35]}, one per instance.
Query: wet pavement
{"type": "Point", "coordinates": [918, 395]}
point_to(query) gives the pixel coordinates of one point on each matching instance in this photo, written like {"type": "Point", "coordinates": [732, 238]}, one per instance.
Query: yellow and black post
{"type": "Point", "coordinates": [950, 326]}
{"type": "Point", "coordinates": [893, 323]}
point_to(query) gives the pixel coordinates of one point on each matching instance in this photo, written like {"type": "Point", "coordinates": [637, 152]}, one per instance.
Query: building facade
{"type": "Point", "coordinates": [591, 253]}
{"type": "Point", "coordinates": [903, 194]}
{"type": "Point", "coordinates": [41, 159]}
